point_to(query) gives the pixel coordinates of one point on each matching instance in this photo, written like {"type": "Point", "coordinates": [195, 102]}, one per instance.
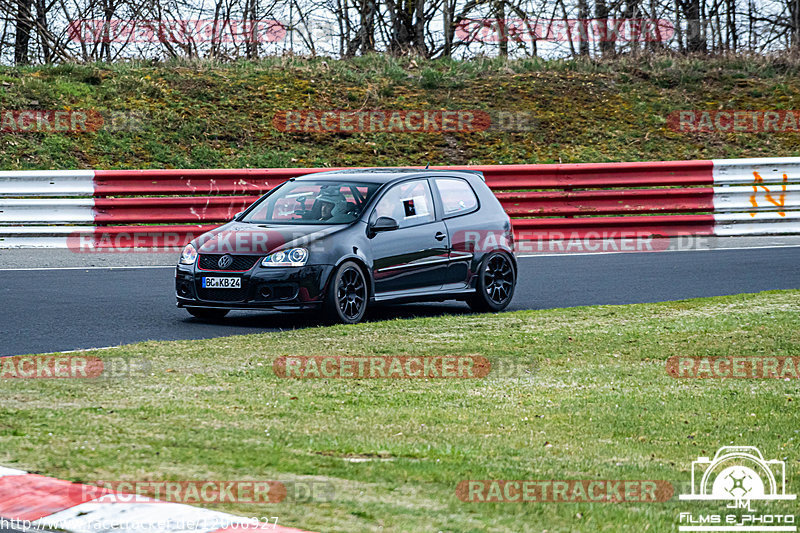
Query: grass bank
{"type": "Point", "coordinates": [599, 405]}
{"type": "Point", "coordinates": [202, 115]}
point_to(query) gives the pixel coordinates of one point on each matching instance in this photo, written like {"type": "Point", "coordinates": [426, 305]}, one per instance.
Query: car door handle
{"type": "Point", "coordinates": [440, 236]}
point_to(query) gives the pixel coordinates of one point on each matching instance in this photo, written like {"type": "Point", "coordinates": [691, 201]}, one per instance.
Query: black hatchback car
{"type": "Point", "coordinates": [339, 241]}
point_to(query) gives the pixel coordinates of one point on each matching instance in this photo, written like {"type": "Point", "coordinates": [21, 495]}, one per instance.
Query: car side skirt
{"type": "Point", "coordinates": [423, 296]}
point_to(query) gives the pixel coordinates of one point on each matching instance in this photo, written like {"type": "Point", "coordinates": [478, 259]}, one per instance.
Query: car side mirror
{"type": "Point", "coordinates": [384, 224]}
{"type": "Point", "coordinates": [237, 215]}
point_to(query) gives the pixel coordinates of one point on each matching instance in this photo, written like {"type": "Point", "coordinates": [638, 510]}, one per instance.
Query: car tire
{"type": "Point", "coordinates": [207, 314]}
{"type": "Point", "coordinates": [497, 279]}
{"type": "Point", "coordinates": [347, 295]}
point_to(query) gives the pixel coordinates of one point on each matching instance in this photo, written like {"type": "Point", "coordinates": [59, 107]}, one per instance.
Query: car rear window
{"type": "Point", "coordinates": [457, 196]}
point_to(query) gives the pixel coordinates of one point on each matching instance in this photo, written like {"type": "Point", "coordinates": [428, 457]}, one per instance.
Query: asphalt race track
{"type": "Point", "coordinates": [69, 309]}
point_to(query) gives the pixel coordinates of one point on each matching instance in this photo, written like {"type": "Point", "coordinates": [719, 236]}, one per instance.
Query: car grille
{"type": "Point", "coordinates": [222, 295]}
{"type": "Point", "coordinates": [240, 262]}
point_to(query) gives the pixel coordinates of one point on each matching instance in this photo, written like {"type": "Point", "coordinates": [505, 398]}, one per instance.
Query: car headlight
{"type": "Point", "coordinates": [188, 255]}
{"type": "Point", "coordinates": [293, 257]}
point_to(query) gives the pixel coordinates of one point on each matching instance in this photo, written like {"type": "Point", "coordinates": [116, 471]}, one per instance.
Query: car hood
{"type": "Point", "coordinates": [261, 239]}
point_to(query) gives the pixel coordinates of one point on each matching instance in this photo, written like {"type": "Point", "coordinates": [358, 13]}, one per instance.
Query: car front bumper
{"type": "Point", "coordinates": [283, 288]}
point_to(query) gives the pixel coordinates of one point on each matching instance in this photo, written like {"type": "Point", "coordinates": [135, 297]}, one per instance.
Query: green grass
{"type": "Point", "coordinates": [598, 406]}
{"type": "Point", "coordinates": [203, 114]}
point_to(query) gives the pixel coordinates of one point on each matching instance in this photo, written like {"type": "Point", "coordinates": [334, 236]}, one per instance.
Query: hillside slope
{"type": "Point", "coordinates": [205, 115]}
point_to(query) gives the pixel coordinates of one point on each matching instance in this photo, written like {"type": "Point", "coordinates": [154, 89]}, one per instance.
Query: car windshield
{"type": "Point", "coordinates": [313, 202]}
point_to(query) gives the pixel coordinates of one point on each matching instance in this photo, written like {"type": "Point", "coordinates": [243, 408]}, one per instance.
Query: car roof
{"type": "Point", "coordinates": [382, 175]}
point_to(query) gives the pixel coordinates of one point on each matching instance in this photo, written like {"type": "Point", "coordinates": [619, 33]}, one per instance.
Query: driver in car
{"type": "Point", "coordinates": [334, 207]}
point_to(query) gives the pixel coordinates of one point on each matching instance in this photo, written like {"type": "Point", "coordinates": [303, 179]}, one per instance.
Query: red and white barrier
{"type": "Point", "coordinates": [756, 196]}
{"type": "Point", "coordinates": [47, 183]}
{"type": "Point", "coordinates": [44, 502]}
{"type": "Point", "coordinates": [164, 208]}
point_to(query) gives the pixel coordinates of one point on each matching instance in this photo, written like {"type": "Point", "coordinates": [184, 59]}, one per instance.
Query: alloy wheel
{"type": "Point", "coordinates": [351, 293]}
{"type": "Point", "coordinates": [498, 278]}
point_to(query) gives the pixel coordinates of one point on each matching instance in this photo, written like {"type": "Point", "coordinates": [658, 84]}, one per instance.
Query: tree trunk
{"type": "Point", "coordinates": [583, 28]}
{"type": "Point", "coordinates": [601, 11]}
{"type": "Point", "coordinates": [794, 13]}
{"type": "Point", "coordinates": [449, 9]}
{"type": "Point", "coordinates": [23, 35]}
{"type": "Point", "coordinates": [694, 29]}
{"type": "Point", "coordinates": [41, 28]}
{"type": "Point", "coordinates": [502, 27]}
{"type": "Point", "coordinates": [251, 41]}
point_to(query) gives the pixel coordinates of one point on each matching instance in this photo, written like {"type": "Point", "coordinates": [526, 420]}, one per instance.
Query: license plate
{"type": "Point", "coordinates": [222, 283]}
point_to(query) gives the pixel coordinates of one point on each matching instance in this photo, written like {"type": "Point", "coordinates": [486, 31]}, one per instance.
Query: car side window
{"type": "Point", "coordinates": [457, 196]}
{"type": "Point", "coordinates": [410, 203]}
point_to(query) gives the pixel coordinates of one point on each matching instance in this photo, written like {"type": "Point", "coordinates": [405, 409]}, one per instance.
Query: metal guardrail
{"type": "Point", "coordinates": [107, 208]}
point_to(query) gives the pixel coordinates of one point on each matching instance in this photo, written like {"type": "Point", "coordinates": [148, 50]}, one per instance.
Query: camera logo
{"type": "Point", "coordinates": [738, 473]}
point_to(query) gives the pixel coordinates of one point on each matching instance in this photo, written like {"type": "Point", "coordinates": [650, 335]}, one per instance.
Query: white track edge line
{"type": "Point", "coordinates": [86, 268]}
{"type": "Point", "coordinates": [565, 254]}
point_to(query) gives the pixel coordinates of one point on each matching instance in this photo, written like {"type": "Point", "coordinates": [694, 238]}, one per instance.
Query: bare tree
{"type": "Point", "coordinates": [24, 24]}
{"type": "Point", "coordinates": [107, 30]}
